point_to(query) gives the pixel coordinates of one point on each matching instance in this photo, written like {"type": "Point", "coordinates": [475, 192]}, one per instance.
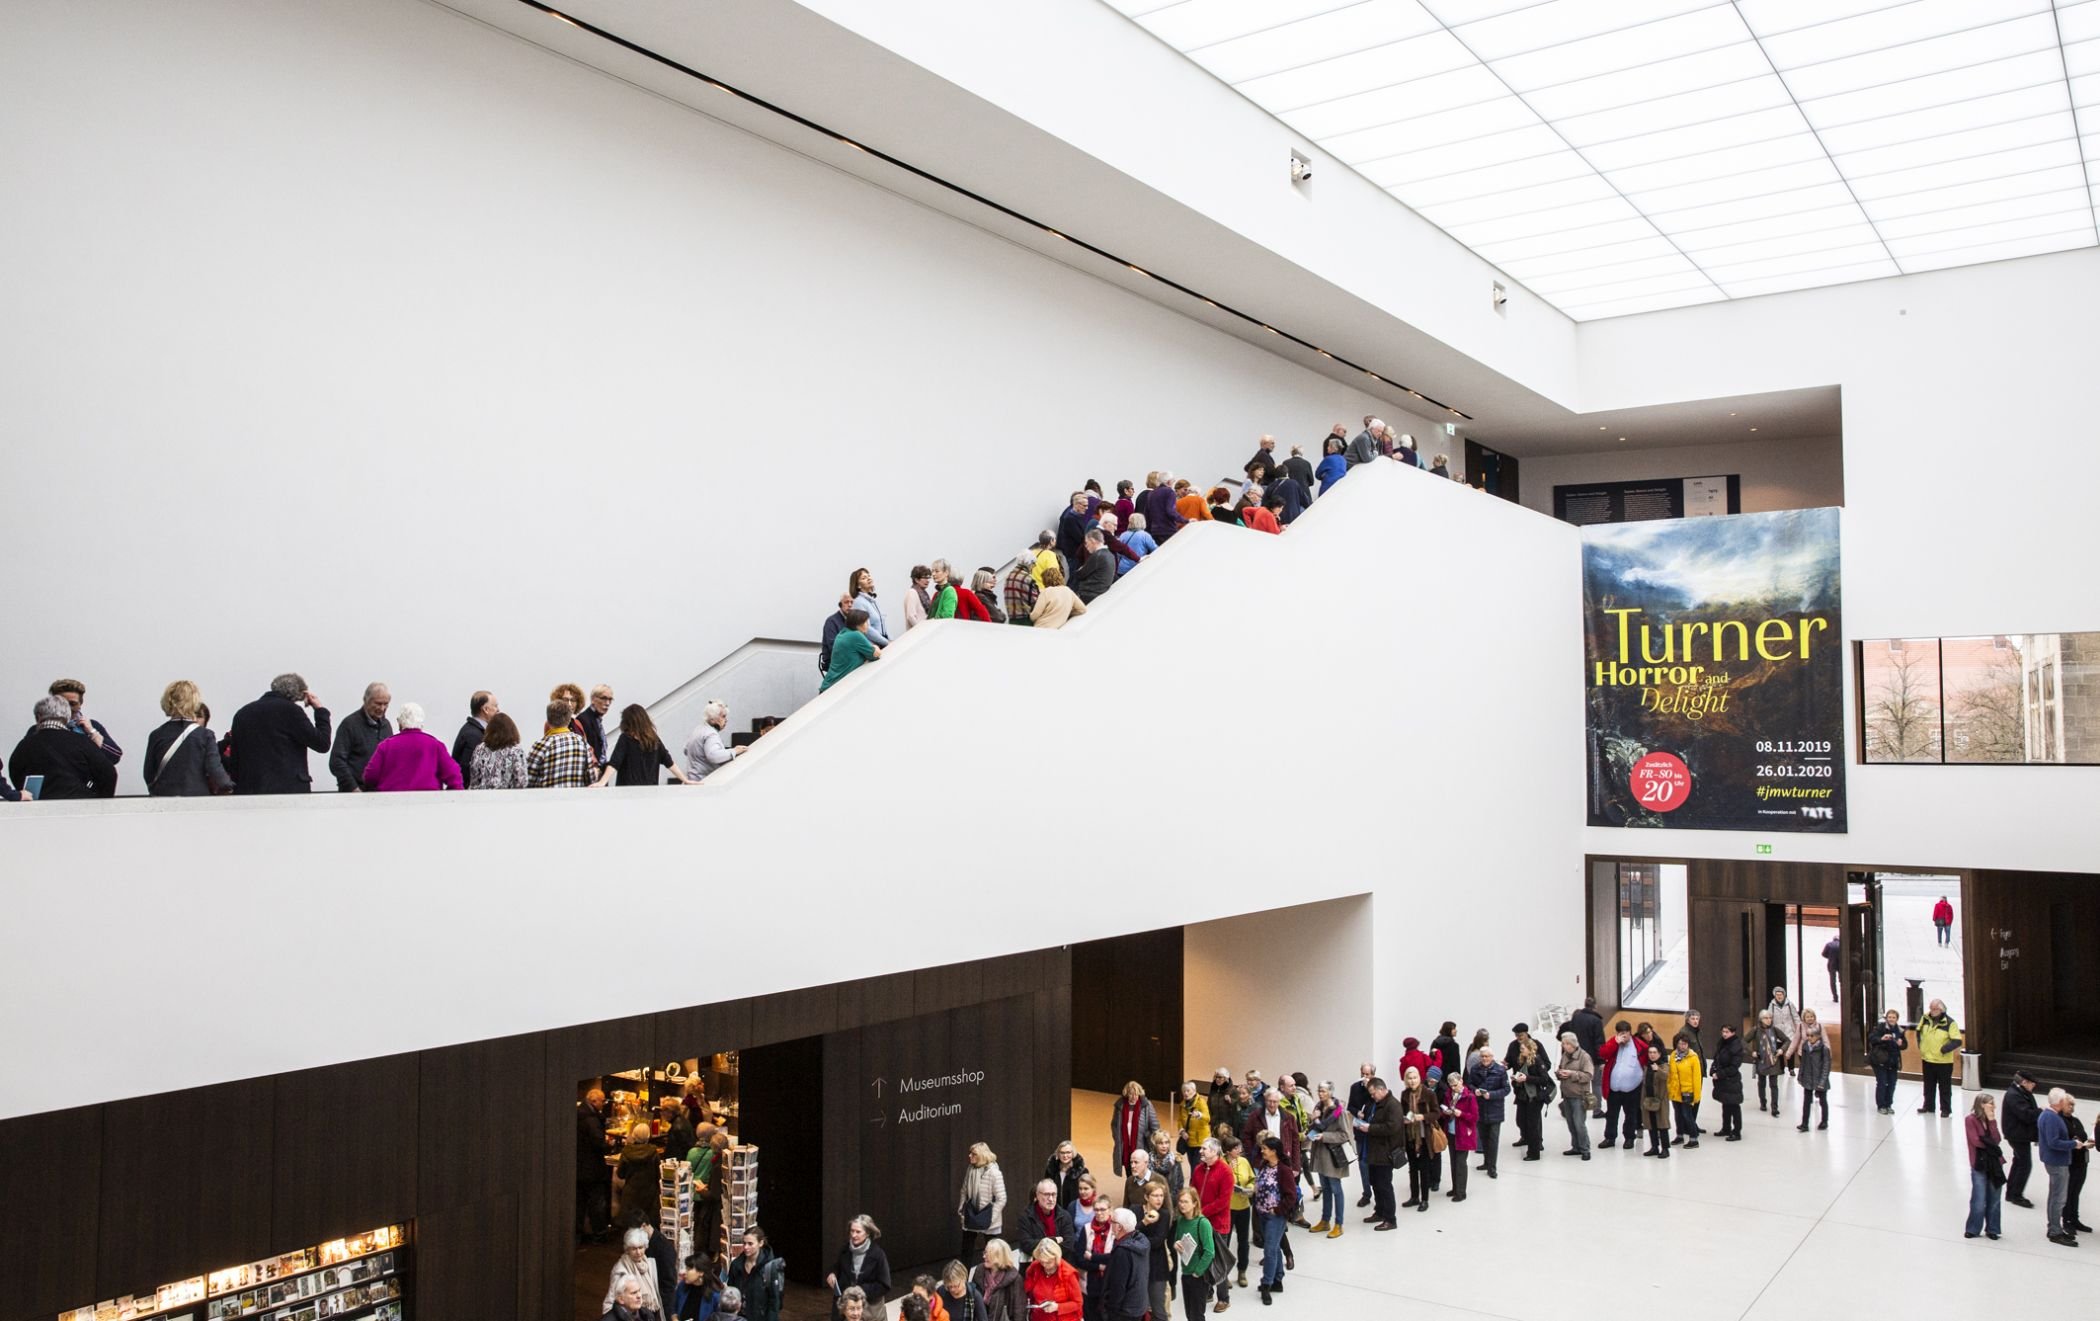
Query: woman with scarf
{"type": "Point", "coordinates": [1053, 1287]}
{"type": "Point", "coordinates": [1333, 1143]}
{"type": "Point", "coordinates": [1531, 1082]}
{"type": "Point", "coordinates": [1096, 1245]}
{"type": "Point", "coordinates": [1811, 1059]}
{"type": "Point", "coordinates": [1655, 1102]}
{"type": "Point", "coordinates": [998, 1282]}
{"type": "Point", "coordinates": [1986, 1167]}
{"type": "Point", "coordinates": [1065, 1168]}
{"type": "Point", "coordinates": [1420, 1117]}
{"type": "Point", "coordinates": [1459, 1111]}
{"type": "Point", "coordinates": [1131, 1126]}
{"type": "Point", "coordinates": [1767, 1051]}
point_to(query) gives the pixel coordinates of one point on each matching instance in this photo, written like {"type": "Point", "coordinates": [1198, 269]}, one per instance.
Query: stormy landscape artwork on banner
{"type": "Point", "coordinates": [1715, 673]}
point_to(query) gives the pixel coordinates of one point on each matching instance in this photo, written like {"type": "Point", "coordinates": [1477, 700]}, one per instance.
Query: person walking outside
{"type": "Point", "coordinates": [1943, 921]}
{"type": "Point", "coordinates": [1986, 1167]}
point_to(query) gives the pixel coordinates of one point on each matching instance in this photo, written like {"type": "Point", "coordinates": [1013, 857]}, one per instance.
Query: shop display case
{"type": "Point", "coordinates": [360, 1278]}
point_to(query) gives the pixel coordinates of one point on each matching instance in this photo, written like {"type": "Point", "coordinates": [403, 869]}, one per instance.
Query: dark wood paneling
{"type": "Point", "coordinates": [1127, 1012]}
{"type": "Point", "coordinates": [809, 1012]}
{"type": "Point", "coordinates": [686, 1034]}
{"type": "Point", "coordinates": [50, 1188]}
{"type": "Point", "coordinates": [1727, 985]}
{"type": "Point", "coordinates": [875, 1000]}
{"type": "Point", "coordinates": [185, 1185]}
{"type": "Point", "coordinates": [345, 1150]}
{"type": "Point", "coordinates": [480, 1125]}
{"type": "Point", "coordinates": [1777, 882]}
{"type": "Point", "coordinates": [2048, 994]}
{"type": "Point", "coordinates": [467, 1261]}
{"type": "Point", "coordinates": [949, 987]}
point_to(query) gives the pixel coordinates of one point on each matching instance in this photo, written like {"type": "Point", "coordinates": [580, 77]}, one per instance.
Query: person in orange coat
{"type": "Point", "coordinates": [1051, 1280]}
{"type": "Point", "coordinates": [1189, 503]}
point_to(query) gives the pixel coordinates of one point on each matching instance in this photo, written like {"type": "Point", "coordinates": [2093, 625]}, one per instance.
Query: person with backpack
{"type": "Point", "coordinates": [757, 1276]}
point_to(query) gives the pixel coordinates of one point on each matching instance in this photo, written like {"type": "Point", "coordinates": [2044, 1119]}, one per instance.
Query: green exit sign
{"type": "Point", "coordinates": [1763, 849]}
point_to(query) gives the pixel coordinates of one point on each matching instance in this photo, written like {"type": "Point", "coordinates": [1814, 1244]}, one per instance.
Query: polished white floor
{"type": "Point", "coordinates": [1780, 1226]}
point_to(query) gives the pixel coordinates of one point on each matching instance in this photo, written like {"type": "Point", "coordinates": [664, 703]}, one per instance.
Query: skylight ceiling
{"type": "Point", "coordinates": [1620, 156]}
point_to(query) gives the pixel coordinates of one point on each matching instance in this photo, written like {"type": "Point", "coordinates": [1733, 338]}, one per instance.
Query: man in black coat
{"type": "Point", "coordinates": [1383, 1147]}
{"type": "Point", "coordinates": [1043, 1218]}
{"type": "Point", "coordinates": [593, 1175]}
{"type": "Point", "coordinates": [1097, 573]}
{"type": "Point", "coordinates": [2018, 1119]}
{"type": "Point", "coordinates": [482, 707]}
{"type": "Point", "coordinates": [72, 766]}
{"type": "Point", "coordinates": [358, 737]}
{"type": "Point", "coordinates": [1125, 1292]}
{"type": "Point", "coordinates": [1071, 528]}
{"type": "Point", "coordinates": [832, 626]}
{"type": "Point", "coordinates": [1299, 469]}
{"type": "Point", "coordinates": [271, 736]}
{"type": "Point", "coordinates": [1267, 457]}
{"type": "Point", "coordinates": [1588, 1026]}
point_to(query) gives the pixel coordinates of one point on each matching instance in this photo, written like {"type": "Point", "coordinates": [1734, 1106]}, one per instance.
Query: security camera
{"type": "Point", "coordinates": [1301, 167]}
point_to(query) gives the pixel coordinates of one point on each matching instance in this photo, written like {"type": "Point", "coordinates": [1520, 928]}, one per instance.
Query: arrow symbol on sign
{"type": "Point", "coordinates": [878, 1121]}
{"type": "Point", "coordinates": [877, 1085]}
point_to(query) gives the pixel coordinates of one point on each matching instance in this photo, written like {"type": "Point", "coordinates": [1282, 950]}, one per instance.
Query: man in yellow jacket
{"type": "Point", "coordinates": [1687, 1072]}
{"type": "Point", "coordinates": [1939, 1041]}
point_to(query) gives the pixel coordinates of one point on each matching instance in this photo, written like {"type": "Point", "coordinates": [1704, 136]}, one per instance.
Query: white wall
{"type": "Point", "coordinates": [367, 341]}
{"type": "Point", "coordinates": [1805, 473]}
{"type": "Point", "coordinates": [1969, 474]}
{"type": "Point", "coordinates": [950, 799]}
{"type": "Point", "coordinates": [1271, 991]}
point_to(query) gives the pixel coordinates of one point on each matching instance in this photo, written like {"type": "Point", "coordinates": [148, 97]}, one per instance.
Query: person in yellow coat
{"type": "Point", "coordinates": [1195, 1120]}
{"type": "Point", "coordinates": [1939, 1041]}
{"type": "Point", "coordinates": [1686, 1072]}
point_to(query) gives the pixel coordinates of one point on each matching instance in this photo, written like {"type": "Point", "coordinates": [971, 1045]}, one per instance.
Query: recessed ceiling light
{"type": "Point", "coordinates": [1731, 415]}
{"type": "Point", "coordinates": [1622, 438]}
{"type": "Point", "coordinates": [1753, 428]}
{"type": "Point", "coordinates": [1603, 428]}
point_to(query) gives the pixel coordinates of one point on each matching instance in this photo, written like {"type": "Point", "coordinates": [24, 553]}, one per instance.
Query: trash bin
{"type": "Point", "coordinates": [1972, 1070]}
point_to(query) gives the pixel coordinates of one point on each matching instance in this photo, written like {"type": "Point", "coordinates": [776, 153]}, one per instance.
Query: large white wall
{"type": "Point", "coordinates": [1969, 475]}
{"type": "Point", "coordinates": [1247, 997]}
{"type": "Point", "coordinates": [368, 341]}
{"type": "Point", "coordinates": [1241, 725]}
{"type": "Point", "coordinates": [1805, 473]}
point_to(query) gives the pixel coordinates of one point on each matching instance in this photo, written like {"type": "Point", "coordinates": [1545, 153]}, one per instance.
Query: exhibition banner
{"type": "Point", "coordinates": [1715, 673]}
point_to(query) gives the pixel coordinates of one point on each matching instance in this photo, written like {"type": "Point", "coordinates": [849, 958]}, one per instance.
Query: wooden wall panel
{"type": "Point", "coordinates": [948, 987]}
{"type": "Point", "coordinates": [185, 1183]}
{"type": "Point", "coordinates": [467, 1260]}
{"type": "Point", "coordinates": [345, 1148]}
{"type": "Point", "coordinates": [480, 1122]}
{"type": "Point", "coordinates": [50, 1189]}
{"type": "Point", "coordinates": [1774, 882]}
{"type": "Point", "coordinates": [875, 1000]}
{"type": "Point", "coordinates": [1127, 1012]}
{"type": "Point", "coordinates": [703, 1030]}
{"type": "Point", "coordinates": [809, 1012]}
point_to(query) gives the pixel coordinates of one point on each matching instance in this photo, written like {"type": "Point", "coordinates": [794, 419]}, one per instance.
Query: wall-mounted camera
{"type": "Point", "coordinates": [1301, 168]}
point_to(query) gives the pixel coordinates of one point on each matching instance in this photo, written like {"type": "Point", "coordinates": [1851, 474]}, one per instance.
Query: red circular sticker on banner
{"type": "Point", "coordinates": [1661, 782]}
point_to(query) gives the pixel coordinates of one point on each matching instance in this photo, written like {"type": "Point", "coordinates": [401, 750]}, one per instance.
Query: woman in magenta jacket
{"type": "Point", "coordinates": [1462, 1108]}
{"type": "Point", "coordinates": [410, 759]}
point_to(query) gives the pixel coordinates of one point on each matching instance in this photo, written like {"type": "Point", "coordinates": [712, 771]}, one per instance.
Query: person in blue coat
{"type": "Point", "coordinates": [1489, 1082]}
{"type": "Point", "coordinates": [1333, 467]}
{"type": "Point", "coordinates": [2053, 1136]}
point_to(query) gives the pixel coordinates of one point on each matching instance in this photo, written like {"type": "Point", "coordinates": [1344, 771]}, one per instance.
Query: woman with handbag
{"type": "Point", "coordinates": [1420, 1124]}
{"type": "Point", "coordinates": [1460, 1109]}
{"type": "Point", "coordinates": [1195, 1246]}
{"type": "Point", "coordinates": [1533, 1084]}
{"type": "Point", "coordinates": [1811, 1057]}
{"type": "Point", "coordinates": [1333, 1143]}
{"type": "Point", "coordinates": [983, 1206]}
{"type": "Point", "coordinates": [1655, 1103]}
{"type": "Point", "coordinates": [1986, 1168]}
{"type": "Point", "coordinates": [1768, 1047]}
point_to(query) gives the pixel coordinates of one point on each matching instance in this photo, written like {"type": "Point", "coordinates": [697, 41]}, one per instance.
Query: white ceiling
{"type": "Point", "coordinates": [1621, 156]}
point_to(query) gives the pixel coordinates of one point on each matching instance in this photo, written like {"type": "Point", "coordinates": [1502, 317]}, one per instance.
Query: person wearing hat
{"type": "Point", "coordinates": [1531, 1081]}
{"type": "Point", "coordinates": [2018, 1115]}
{"type": "Point", "coordinates": [1413, 1057]}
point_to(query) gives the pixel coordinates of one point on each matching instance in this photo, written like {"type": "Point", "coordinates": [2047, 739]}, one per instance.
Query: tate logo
{"type": "Point", "coordinates": [1819, 813]}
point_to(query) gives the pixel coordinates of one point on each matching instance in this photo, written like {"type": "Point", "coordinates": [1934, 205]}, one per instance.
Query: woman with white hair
{"type": "Point", "coordinates": [410, 759]}
{"type": "Point", "coordinates": [634, 1269]}
{"type": "Point", "coordinates": [706, 751]}
{"type": "Point", "coordinates": [1137, 542]}
{"type": "Point", "coordinates": [863, 1268]}
{"type": "Point", "coordinates": [68, 765]}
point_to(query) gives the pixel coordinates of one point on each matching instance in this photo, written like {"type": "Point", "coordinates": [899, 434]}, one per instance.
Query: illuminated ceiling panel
{"type": "Point", "coordinates": [1620, 156]}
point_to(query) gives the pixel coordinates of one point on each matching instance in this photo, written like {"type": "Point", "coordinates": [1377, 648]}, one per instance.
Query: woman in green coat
{"type": "Point", "coordinates": [1195, 1245]}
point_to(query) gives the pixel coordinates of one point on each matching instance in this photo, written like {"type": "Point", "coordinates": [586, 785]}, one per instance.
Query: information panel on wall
{"type": "Point", "coordinates": [1715, 673]}
{"type": "Point", "coordinates": [1635, 502]}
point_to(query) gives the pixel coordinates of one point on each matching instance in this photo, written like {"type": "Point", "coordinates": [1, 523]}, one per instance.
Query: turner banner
{"type": "Point", "coordinates": [1715, 673]}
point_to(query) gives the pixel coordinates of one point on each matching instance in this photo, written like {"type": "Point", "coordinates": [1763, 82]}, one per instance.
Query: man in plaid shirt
{"type": "Point", "coordinates": [1021, 589]}
{"type": "Point", "coordinates": [561, 759]}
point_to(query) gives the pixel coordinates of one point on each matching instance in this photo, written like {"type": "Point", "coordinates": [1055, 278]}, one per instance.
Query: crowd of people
{"type": "Point", "coordinates": [1242, 1162]}
{"type": "Point", "coordinates": [68, 754]}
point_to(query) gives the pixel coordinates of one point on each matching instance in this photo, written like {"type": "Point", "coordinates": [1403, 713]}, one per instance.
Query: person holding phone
{"type": "Point", "coordinates": [1053, 1287]}
{"type": "Point", "coordinates": [68, 765]}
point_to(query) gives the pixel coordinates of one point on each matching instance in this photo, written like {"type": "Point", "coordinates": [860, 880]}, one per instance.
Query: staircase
{"type": "Point", "coordinates": [2078, 1074]}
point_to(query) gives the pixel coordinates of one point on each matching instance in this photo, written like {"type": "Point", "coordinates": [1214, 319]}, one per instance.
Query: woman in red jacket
{"type": "Point", "coordinates": [1051, 1280]}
